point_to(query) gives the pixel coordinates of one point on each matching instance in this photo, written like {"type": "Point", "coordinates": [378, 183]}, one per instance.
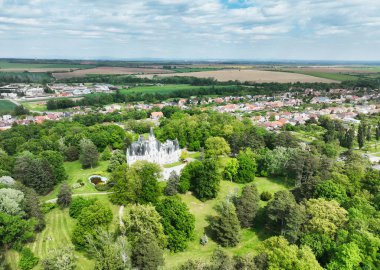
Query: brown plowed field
{"type": "Point", "coordinates": [109, 71]}
{"type": "Point", "coordinates": [248, 75]}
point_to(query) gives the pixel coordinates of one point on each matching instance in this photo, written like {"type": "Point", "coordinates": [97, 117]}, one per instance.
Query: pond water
{"type": "Point", "coordinates": [97, 179]}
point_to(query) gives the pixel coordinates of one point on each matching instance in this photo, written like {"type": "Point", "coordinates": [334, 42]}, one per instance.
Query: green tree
{"type": "Point", "coordinates": [324, 216]}
{"type": "Point", "coordinates": [206, 181]}
{"type": "Point", "coordinates": [110, 252]}
{"type": "Point", "coordinates": [361, 135]}
{"type": "Point", "coordinates": [6, 162]}
{"type": "Point", "coordinates": [147, 254]}
{"type": "Point", "coordinates": [20, 110]}
{"type": "Point", "coordinates": [148, 174]}
{"type": "Point", "coordinates": [15, 230]}
{"type": "Point", "coordinates": [107, 154]}
{"type": "Point", "coordinates": [226, 226]}
{"type": "Point", "coordinates": [177, 221]}
{"type": "Point", "coordinates": [247, 166]}
{"type": "Point", "coordinates": [194, 265]}
{"type": "Point", "coordinates": [61, 258]}
{"type": "Point", "coordinates": [278, 209]}
{"type": "Point", "coordinates": [349, 138]}
{"type": "Point", "coordinates": [276, 160]}
{"type": "Point", "coordinates": [137, 183]}
{"type": "Point", "coordinates": [64, 196]}
{"type": "Point", "coordinates": [140, 220]}
{"type": "Point", "coordinates": [231, 169]}
{"type": "Point", "coordinates": [11, 201]}
{"type": "Point", "coordinates": [347, 256]}
{"type": "Point", "coordinates": [330, 190]}
{"type": "Point", "coordinates": [55, 160]}
{"type": "Point", "coordinates": [78, 204]}
{"type": "Point", "coordinates": [247, 205]}
{"type": "Point", "coordinates": [377, 131]}
{"type": "Point", "coordinates": [89, 154]}
{"type": "Point", "coordinates": [188, 174]}
{"type": "Point", "coordinates": [216, 146]}
{"type": "Point", "coordinates": [117, 159]}
{"type": "Point", "coordinates": [221, 260]}
{"type": "Point", "coordinates": [34, 172]}
{"type": "Point", "coordinates": [278, 254]}
{"type": "Point", "coordinates": [90, 219]}
{"type": "Point", "coordinates": [302, 167]}
{"type": "Point", "coordinates": [28, 260]}
{"type": "Point", "coordinates": [171, 188]}
{"type": "Point", "coordinates": [31, 205]}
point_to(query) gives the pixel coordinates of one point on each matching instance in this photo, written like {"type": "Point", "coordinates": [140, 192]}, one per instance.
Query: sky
{"type": "Point", "coordinates": [191, 29]}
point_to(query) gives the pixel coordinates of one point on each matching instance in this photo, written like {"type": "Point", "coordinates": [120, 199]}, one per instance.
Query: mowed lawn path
{"type": "Point", "coordinates": [57, 234]}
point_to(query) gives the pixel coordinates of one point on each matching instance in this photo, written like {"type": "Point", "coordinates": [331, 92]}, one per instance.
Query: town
{"type": "Point", "coordinates": [271, 112]}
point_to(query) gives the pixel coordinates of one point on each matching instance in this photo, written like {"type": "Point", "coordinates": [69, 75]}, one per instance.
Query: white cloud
{"type": "Point", "coordinates": [180, 26]}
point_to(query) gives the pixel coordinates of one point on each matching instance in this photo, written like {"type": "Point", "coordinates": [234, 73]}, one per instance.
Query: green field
{"type": "Point", "coordinates": [34, 106]}
{"type": "Point", "coordinates": [6, 106]}
{"type": "Point", "coordinates": [327, 75]}
{"type": "Point", "coordinates": [25, 76]}
{"type": "Point", "coordinates": [165, 88]}
{"type": "Point", "coordinates": [6, 64]}
{"type": "Point", "coordinates": [159, 89]}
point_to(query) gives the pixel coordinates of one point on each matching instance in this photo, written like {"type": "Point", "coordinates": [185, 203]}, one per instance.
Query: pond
{"type": "Point", "coordinates": [97, 180]}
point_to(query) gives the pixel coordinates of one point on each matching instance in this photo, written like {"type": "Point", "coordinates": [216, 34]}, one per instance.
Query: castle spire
{"type": "Point", "coordinates": [151, 132]}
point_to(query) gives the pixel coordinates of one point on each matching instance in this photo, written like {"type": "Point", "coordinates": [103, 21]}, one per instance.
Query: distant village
{"type": "Point", "coordinates": [270, 112]}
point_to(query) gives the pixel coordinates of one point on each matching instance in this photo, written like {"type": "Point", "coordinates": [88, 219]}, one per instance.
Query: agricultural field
{"type": "Point", "coordinates": [158, 89]}
{"type": "Point", "coordinates": [109, 71]}
{"type": "Point", "coordinates": [243, 75]}
{"type": "Point", "coordinates": [6, 106]}
{"type": "Point", "coordinates": [4, 65]}
{"type": "Point", "coordinates": [165, 88]}
{"type": "Point", "coordinates": [195, 69]}
{"type": "Point", "coordinates": [328, 75]}
{"type": "Point", "coordinates": [24, 76]}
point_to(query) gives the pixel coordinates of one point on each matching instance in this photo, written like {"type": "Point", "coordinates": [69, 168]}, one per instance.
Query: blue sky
{"type": "Point", "coordinates": [196, 29]}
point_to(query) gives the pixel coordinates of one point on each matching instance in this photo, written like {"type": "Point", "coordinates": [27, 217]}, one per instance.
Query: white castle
{"type": "Point", "coordinates": [153, 150]}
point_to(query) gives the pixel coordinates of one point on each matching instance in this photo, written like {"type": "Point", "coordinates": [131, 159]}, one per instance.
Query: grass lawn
{"type": "Point", "coordinates": [6, 106]}
{"type": "Point", "coordinates": [250, 238]}
{"type": "Point", "coordinates": [75, 172]}
{"type": "Point", "coordinates": [34, 106]}
{"type": "Point", "coordinates": [59, 227]}
{"type": "Point", "coordinates": [173, 164]}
